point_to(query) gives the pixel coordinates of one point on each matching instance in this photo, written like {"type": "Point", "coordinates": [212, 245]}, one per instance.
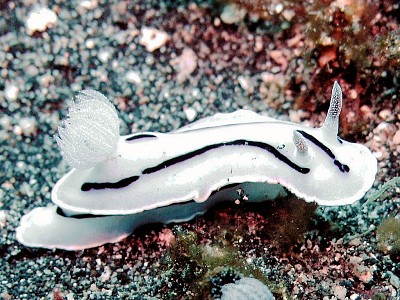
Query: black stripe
{"type": "Point", "coordinates": [140, 136]}
{"type": "Point", "coordinates": [197, 152]}
{"type": "Point", "coordinates": [87, 186]}
{"type": "Point", "coordinates": [316, 142]}
{"type": "Point", "coordinates": [60, 212]}
{"type": "Point", "coordinates": [342, 167]}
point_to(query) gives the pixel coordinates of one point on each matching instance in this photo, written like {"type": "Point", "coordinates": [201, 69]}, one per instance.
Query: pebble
{"type": "Point", "coordinates": [88, 4]}
{"type": "Point", "coordinates": [28, 125]}
{"type": "Point", "coordinates": [279, 58]}
{"type": "Point", "coordinates": [279, 8]}
{"type": "Point", "coordinates": [232, 14]}
{"type": "Point", "coordinates": [133, 77]}
{"type": "Point", "coordinates": [104, 55]}
{"type": "Point", "coordinates": [153, 38]}
{"type": "Point", "coordinates": [190, 114]}
{"type": "Point", "coordinates": [3, 219]}
{"type": "Point", "coordinates": [11, 92]}
{"type": "Point", "coordinates": [5, 122]}
{"type": "Point", "coordinates": [246, 83]}
{"type": "Point", "coordinates": [185, 64]}
{"type": "Point", "coordinates": [386, 115]}
{"type": "Point", "coordinates": [339, 292]}
{"type": "Point", "coordinates": [90, 43]}
{"type": "Point", "coordinates": [26, 189]}
{"type": "Point", "coordinates": [40, 19]}
{"type": "Point", "coordinates": [288, 14]}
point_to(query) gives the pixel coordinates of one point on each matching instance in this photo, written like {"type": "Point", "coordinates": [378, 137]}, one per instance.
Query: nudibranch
{"type": "Point", "coordinates": [118, 183]}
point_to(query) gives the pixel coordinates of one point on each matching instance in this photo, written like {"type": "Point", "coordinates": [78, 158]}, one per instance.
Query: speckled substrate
{"type": "Point", "coordinates": [96, 45]}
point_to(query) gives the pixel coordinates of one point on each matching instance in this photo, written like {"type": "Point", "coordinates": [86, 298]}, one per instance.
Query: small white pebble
{"type": "Point", "coordinates": [133, 77]}
{"type": "Point", "coordinates": [25, 189]}
{"type": "Point", "coordinates": [273, 79]}
{"type": "Point", "coordinates": [195, 93]}
{"type": "Point", "coordinates": [232, 14]}
{"type": "Point", "coordinates": [246, 83]}
{"type": "Point", "coordinates": [11, 92]}
{"type": "Point", "coordinates": [218, 79]}
{"type": "Point", "coordinates": [185, 64]}
{"type": "Point", "coordinates": [279, 8]}
{"type": "Point", "coordinates": [21, 165]}
{"type": "Point", "coordinates": [5, 122]}
{"type": "Point", "coordinates": [288, 14]}
{"type": "Point", "coordinates": [88, 4]}
{"type": "Point", "coordinates": [104, 56]}
{"type": "Point", "coordinates": [46, 80]}
{"type": "Point", "coordinates": [28, 125]}
{"type": "Point", "coordinates": [259, 44]}
{"type": "Point", "coordinates": [70, 296]}
{"type": "Point", "coordinates": [381, 127]}
{"type": "Point", "coordinates": [340, 292]}
{"type": "Point", "coordinates": [47, 271]}
{"type": "Point", "coordinates": [353, 94]}
{"type": "Point", "coordinates": [17, 130]}
{"type": "Point", "coordinates": [105, 276]}
{"type": "Point", "coordinates": [385, 114]}
{"type": "Point", "coordinates": [190, 114]}
{"type": "Point", "coordinates": [217, 22]}
{"type": "Point", "coordinates": [89, 43]}
{"type": "Point", "coordinates": [3, 219]}
{"type": "Point", "coordinates": [40, 19]}
{"type": "Point", "coordinates": [153, 38]}
{"type": "Point", "coordinates": [276, 70]}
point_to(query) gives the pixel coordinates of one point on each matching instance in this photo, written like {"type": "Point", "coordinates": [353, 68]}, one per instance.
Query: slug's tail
{"type": "Point", "coordinates": [91, 131]}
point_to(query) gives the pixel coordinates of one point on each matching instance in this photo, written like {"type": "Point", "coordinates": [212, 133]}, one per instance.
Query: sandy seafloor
{"type": "Point", "coordinates": [253, 64]}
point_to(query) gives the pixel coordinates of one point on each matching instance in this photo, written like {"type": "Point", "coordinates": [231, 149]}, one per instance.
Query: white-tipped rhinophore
{"type": "Point", "coordinates": [331, 123]}
{"type": "Point", "coordinates": [300, 142]}
{"type": "Point", "coordinates": [90, 134]}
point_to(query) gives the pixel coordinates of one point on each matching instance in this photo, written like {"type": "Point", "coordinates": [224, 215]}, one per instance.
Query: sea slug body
{"type": "Point", "coordinates": [121, 182]}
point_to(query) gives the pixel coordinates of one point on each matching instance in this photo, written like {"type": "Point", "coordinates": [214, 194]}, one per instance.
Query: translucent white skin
{"type": "Point", "coordinates": [44, 227]}
{"type": "Point", "coordinates": [196, 178]}
{"type": "Point", "coordinates": [154, 195]}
